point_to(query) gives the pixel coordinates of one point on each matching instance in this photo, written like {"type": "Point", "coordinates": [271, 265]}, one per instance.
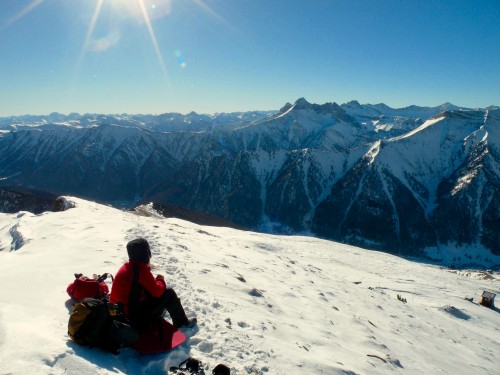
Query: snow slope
{"type": "Point", "coordinates": [265, 304]}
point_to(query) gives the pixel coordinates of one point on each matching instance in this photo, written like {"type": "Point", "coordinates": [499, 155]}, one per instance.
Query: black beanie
{"type": "Point", "coordinates": [138, 250]}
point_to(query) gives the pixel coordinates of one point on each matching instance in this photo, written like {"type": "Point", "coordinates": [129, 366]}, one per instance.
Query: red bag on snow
{"type": "Point", "coordinates": [84, 287]}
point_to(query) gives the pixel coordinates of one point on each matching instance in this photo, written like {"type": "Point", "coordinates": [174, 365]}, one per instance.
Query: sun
{"type": "Point", "coordinates": [136, 8]}
{"type": "Point", "coordinates": [142, 11]}
{"type": "Point", "coordinates": [139, 10]}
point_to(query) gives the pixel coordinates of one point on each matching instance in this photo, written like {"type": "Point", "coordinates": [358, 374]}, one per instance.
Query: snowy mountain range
{"type": "Point", "coordinates": [164, 122]}
{"type": "Point", "coordinates": [414, 181]}
{"type": "Point", "coordinates": [265, 304]}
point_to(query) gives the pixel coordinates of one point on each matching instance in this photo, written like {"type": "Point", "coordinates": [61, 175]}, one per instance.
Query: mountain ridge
{"type": "Point", "coordinates": [378, 181]}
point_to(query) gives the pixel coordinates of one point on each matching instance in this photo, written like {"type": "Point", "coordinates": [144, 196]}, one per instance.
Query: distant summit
{"type": "Point", "coordinates": [302, 103]}
{"type": "Point", "coordinates": [382, 110]}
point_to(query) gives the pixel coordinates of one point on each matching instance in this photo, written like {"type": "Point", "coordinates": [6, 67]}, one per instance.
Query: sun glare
{"type": "Point", "coordinates": [141, 11]}
{"type": "Point", "coordinates": [22, 13]}
{"type": "Point", "coordinates": [135, 8]}
{"type": "Point", "coordinates": [147, 21]}
{"type": "Point", "coordinates": [92, 24]}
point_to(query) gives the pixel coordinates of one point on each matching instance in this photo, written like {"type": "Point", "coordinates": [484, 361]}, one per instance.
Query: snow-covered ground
{"type": "Point", "coordinates": [265, 304]}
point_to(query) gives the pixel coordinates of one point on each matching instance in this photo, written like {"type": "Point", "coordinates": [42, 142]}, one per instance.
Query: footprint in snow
{"type": "Point", "coordinates": [241, 278]}
{"type": "Point", "coordinates": [457, 313]}
{"type": "Point", "coordinates": [256, 293]}
{"type": "Point", "coordinates": [206, 347]}
{"type": "Point", "coordinates": [242, 324]}
{"type": "Point", "coordinates": [195, 341]}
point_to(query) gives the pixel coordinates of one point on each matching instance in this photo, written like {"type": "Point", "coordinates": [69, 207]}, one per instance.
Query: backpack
{"type": "Point", "coordinates": [84, 287]}
{"type": "Point", "coordinates": [97, 323]}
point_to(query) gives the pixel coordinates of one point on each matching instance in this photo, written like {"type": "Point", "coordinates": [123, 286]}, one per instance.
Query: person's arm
{"type": "Point", "coordinates": [155, 287]}
{"type": "Point", "coordinates": [161, 279]}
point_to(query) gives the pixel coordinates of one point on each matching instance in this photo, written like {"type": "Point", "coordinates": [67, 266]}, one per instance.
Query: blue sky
{"type": "Point", "coordinates": [157, 56]}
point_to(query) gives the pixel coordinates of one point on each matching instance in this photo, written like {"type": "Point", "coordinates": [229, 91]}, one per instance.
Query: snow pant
{"type": "Point", "coordinates": [152, 308]}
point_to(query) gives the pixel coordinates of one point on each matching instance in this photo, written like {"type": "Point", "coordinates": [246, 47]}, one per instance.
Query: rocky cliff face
{"type": "Point", "coordinates": [108, 163]}
{"type": "Point", "coordinates": [437, 184]}
{"type": "Point", "coordinates": [15, 200]}
{"type": "Point", "coordinates": [365, 175]}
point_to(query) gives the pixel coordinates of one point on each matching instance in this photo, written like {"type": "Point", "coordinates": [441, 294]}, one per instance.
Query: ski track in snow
{"type": "Point", "coordinates": [265, 304]}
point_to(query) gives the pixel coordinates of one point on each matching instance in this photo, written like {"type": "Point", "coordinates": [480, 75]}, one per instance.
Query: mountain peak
{"type": "Point", "coordinates": [331, 108]}
{"type": "Point", "coordinates": [285, 108]}
{"type": "Point", "coordinates": [352, 103]}
{"type": "Point", "coordinates": [447, 107]}
{"type": "Point", "coordinates": [302, 103]}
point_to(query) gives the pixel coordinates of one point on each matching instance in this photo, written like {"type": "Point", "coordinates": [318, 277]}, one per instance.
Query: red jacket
{"type": "Point", "coordinates": [122, 284]}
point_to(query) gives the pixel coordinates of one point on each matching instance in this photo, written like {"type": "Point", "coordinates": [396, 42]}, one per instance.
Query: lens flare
{"type": "Point", "coordinates": [92, 24]}
{"type": "Point", "coordinates": [211, 12]}
{"type": "Point", "coordinates": [90, 32]}
{"type": "Point", "coordinates": [180, 59]}
{"type": "Point", "coordinates": [22, 13]}
{"type": "Point", "coordinates": [133, 8]}
{"type": "Point", "coordinates": [104, 43]}
{"type": "Point", "coordinates": [152, 35]}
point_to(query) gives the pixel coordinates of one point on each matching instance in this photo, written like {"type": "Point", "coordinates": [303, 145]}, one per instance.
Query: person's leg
{"type": "Point", "coordinates": [154, 307]}
{"type": "Point", "coordinates": [174, 307]}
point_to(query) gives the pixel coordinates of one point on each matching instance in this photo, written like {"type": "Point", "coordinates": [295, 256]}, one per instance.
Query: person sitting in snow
{"type": "Point", "coordinates": [143, 296]}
